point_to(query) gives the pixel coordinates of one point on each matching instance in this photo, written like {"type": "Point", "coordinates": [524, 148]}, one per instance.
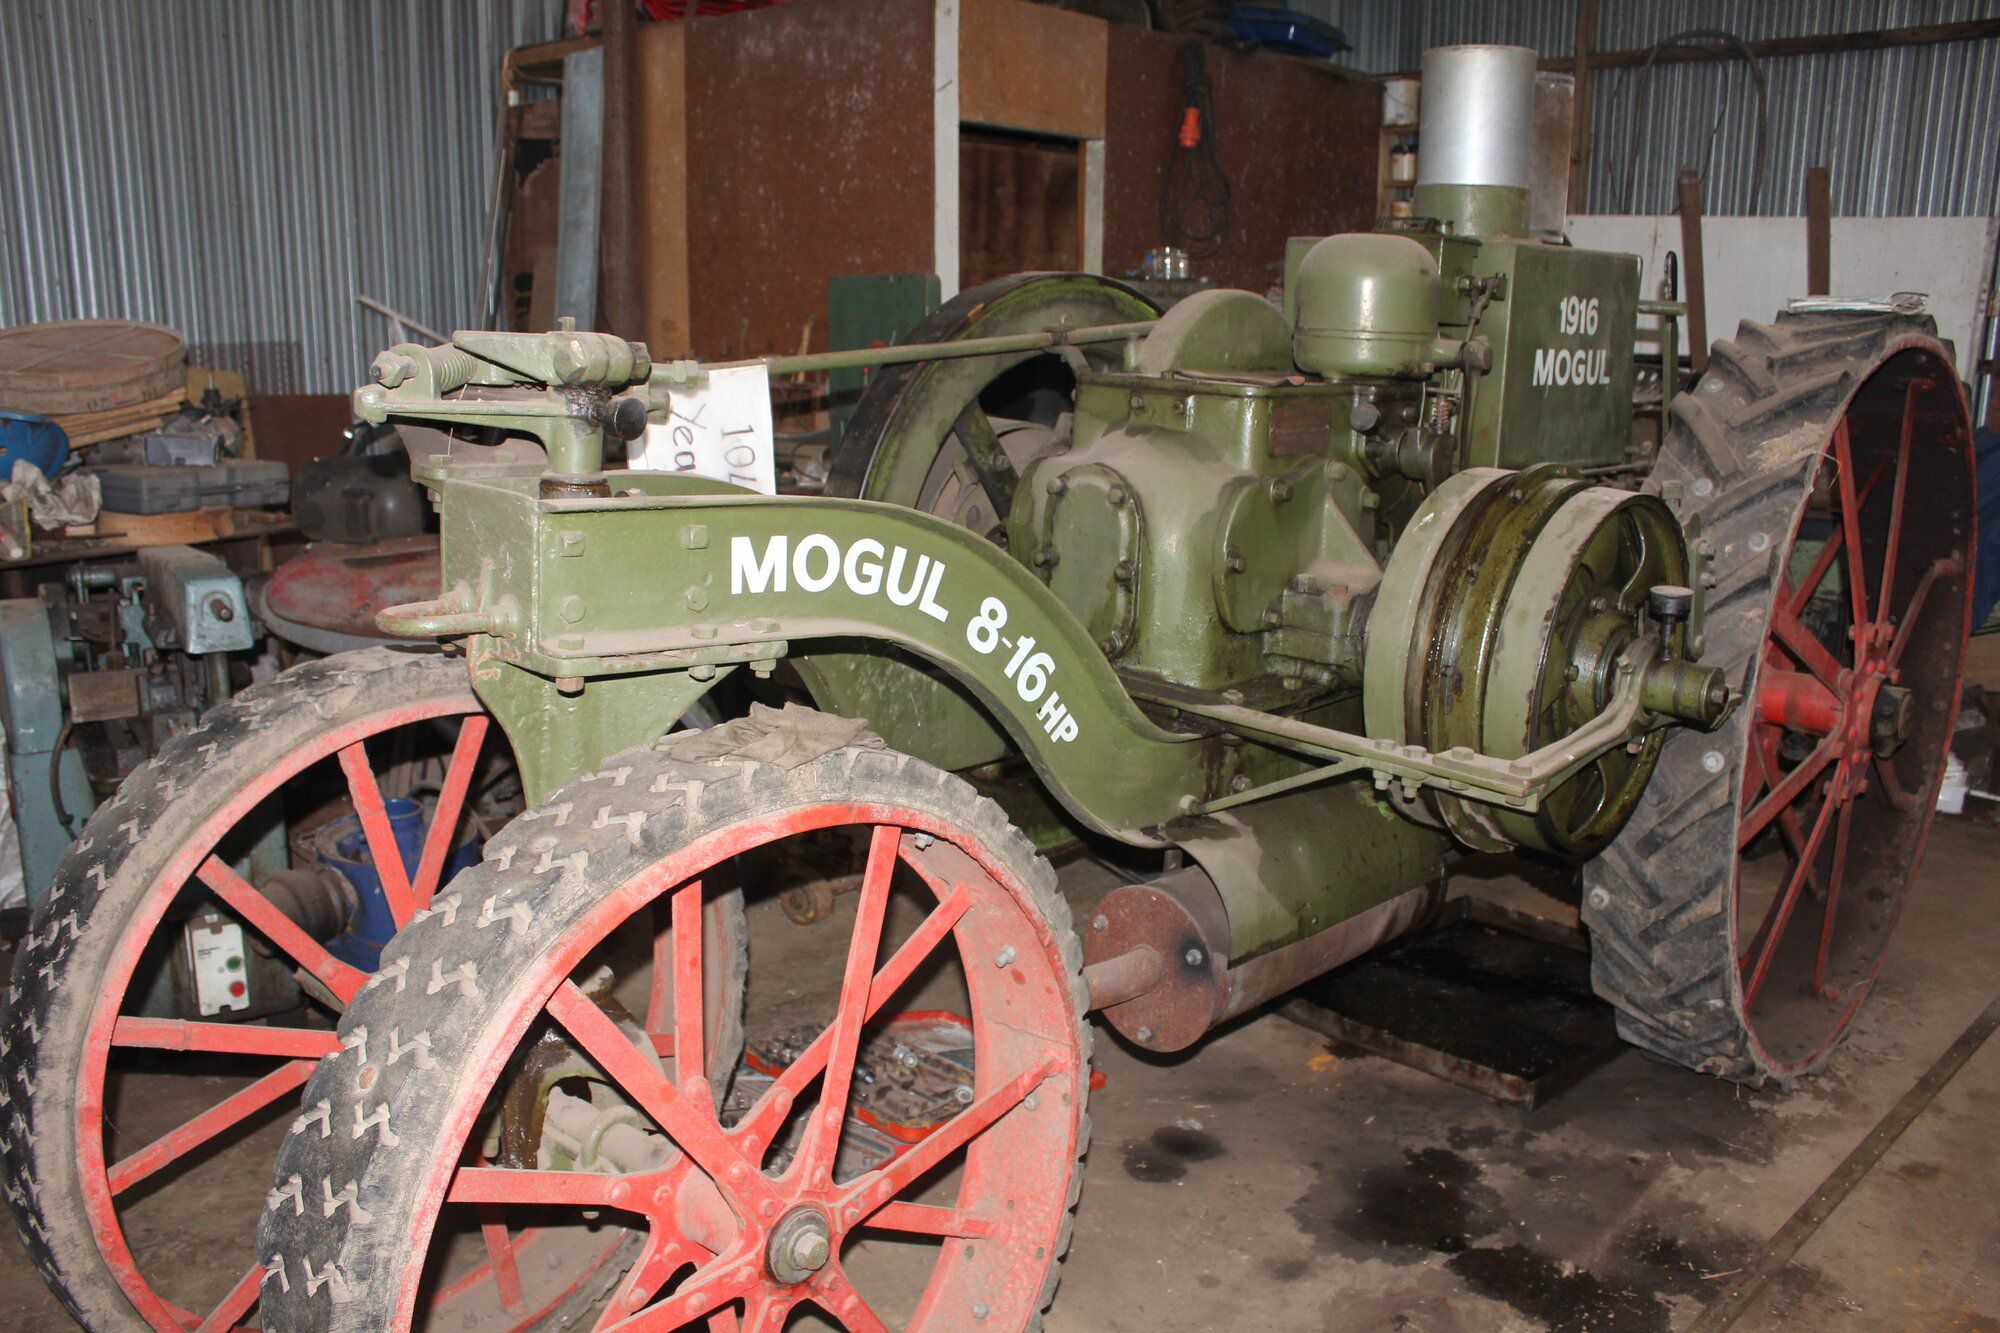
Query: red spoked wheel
{"type": "Point", "coordinates": [750, 1214]}
{"type": "Point", "coordinates": [130, 1122]}
{"type": "Point", "coordinates": [1851, 727]}
{"type": "Point", "coordinates": [1741, 918]}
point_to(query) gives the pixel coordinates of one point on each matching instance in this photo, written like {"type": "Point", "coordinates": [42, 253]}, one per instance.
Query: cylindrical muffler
{"type": "Point", "coordinates": [1157, 956]}
{"type": "Point", "coordinates": [1476, 141]}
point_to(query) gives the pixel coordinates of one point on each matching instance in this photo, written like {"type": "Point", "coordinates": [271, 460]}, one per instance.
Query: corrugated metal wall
{"type": "Point", "coordinates": [238, 171]}
{"type": "Point", "coordinates": [1909, 131]}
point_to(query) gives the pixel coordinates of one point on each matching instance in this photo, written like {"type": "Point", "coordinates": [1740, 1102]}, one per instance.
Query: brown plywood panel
{"type": "Point", "coordinates": [1026, 66]}
{"type": "Point", "coordinates": [660, 95]}
{"type": "Point", "coordinates": [1018, 205]}
{"type": "Point", "coordinates": [1296, 140]}
{"type": "Point", "coordinates": [809, 154]}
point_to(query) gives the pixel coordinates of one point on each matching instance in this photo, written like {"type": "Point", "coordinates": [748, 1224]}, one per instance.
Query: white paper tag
{"type": "Point", "coordinates": [720, 428]}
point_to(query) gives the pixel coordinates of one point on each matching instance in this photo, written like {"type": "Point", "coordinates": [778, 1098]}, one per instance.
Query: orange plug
{"type": "Point", "coordinates": [1190, 127]}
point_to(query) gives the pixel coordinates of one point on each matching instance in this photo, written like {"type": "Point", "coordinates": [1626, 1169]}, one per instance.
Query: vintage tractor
{"type": "Point", "coordinates": [1278, 609]}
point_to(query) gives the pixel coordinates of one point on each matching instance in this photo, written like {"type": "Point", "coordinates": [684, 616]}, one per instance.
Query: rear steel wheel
{"type": "Point", "coordinates": [1740, 920]}
{"type": "Point", "coordinates": [105, 1163]}
{"type": "Point", "coordinates": [734, 1228]}
{"type": "Point", "coordinates": [925, 436]}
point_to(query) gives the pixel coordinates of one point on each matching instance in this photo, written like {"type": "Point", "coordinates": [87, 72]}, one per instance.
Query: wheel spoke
{"type": "Point", "coordinates": [1788, 821]}
{"type": "Point", "coordinates": [1796, 598]}
{"type": "Point", "coordinates": [822, 1137]}
{"type": "Point", "coordinates": [982, 446]}
{"type": "Point", "coordinates": [1850, 522]}
{"type": "Point", "coordinates": [688, 1058]}
{"type": "Point", "coordinates": [1895, 537]}
{"type": "Point", "coordinates": [261, 912]}
{"type": "Point", "coordinates": [1804, 647]}
{"type": "Point", "coordinates": [236, 1304]}
{"type": "Point", "coordinates": [665, 1254]}
{"type": "Point", "coordinates": [382, 848]}
{"type": "Point", "coordinates": [1892, 786]}
{"type": "Point", "coordinates": [450, 804]}
{"type": "Point", "coordinates": [1759, 775]}
{"type": "Point", "coordinates": [216, 1119]}
{"type": "Point", "coordinates": [173, 1034]}
{"type": "Point", "coordinates": [1939, 568]}
{"type": "Point", "coordinates": [1764, 948]}
{"type": "Point", "coordinates": [1832, 895]}
{"type": "Point", "coordinates": [922, 1219]}
{"type": "Point", "coordinates": [835, 1293]}
{"type": "Point", "coordinates": [766, 1311]}
{"type": "Point", "coordinates": [500, 1255]}
{"type": "Point", "coordinates": [509, 1184]}
{"type": "Point", "coordinates": [660, 997]}
{"type": "Point", "coordinates": [765, 1118]}
{"type": "Point", "coordinates": [874, 1190]}
{"type": "Point", "coordinates": [706, 1290]}
{"type": "Point", "coordinates": [690, 1124]}
{"type": "Point", "coordinates": [1783, 794]}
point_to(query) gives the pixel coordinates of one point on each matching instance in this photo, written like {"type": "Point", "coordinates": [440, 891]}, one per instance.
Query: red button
{"type": "Point", "coordinates": [236, 989]}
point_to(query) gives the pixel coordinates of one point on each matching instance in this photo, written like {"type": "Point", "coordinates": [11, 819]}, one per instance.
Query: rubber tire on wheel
{"type": "Point", "coordinates": [359, 1267]}
{"type": "Point", "coordinates": [1741, 454]}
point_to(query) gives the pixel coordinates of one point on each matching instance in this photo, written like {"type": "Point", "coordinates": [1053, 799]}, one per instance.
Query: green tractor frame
{"type": "Point", "coordinates": [1286, 604]}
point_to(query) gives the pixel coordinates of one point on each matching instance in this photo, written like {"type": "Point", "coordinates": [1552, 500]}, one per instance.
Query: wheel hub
{"type": "Point", "coordinates": [800, 1246]}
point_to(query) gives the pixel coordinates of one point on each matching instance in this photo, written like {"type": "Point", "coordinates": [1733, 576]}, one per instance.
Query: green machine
{"type": "Point", "coordinates": [1284, 607]}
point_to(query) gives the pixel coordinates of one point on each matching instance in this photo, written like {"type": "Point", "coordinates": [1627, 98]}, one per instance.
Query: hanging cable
{"type": "Point", "coordinates": [1693, 38]}
{"type": "Point", "coordinates": [1194, 200]}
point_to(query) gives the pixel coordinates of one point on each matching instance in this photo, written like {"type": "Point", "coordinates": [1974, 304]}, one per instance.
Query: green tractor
{"type": "Point", "coordinates": [1280, 609]}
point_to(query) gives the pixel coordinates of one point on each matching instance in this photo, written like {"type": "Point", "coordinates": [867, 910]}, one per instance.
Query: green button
{"type": "Point", "coordinates": [234, 964]}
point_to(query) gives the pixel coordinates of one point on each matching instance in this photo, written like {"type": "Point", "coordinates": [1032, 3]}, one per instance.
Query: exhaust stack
{"type": "Point", "coordinates": [1476, 138]}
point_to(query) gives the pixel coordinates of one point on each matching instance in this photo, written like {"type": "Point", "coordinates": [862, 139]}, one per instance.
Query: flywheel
{"type": "Point", "coordinates": [1740, 919]}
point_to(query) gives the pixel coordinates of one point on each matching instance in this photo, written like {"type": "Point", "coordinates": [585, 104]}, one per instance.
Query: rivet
{"type": "Point", "coordinates": [1713, 761]}
{"type": "Point", "coordinates": [1760, 541]}
{"type": "Point", "coordinates": [1600, 899]}
{"type": "Point", "coordinates": [979, 1309]}
{"type": "Point", "coordinates": [1193, 957]}
{"type": "Point", "coordinates": [1099, 922]}
{"type": "Point", "coordinates": [923, 840]}
{"type": "Point", "coordinates": [1703, 486]}
{"type": "Point", "coordinates": [697, 598]}
{"type": "Point", "coordinates": [570, 609]}
{"type": "Point", "coordinates": [1143, 1035]}
{"type": "Point", "coordinates": [1005, 958]}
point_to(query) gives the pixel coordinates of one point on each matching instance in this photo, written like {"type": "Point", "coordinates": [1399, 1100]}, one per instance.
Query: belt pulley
{"type": "Point", "coordinates": [1504, 621]}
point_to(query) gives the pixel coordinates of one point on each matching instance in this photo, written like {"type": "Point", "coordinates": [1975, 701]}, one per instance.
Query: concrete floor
{"type": "Point", "coordinates": [1268, 1181]}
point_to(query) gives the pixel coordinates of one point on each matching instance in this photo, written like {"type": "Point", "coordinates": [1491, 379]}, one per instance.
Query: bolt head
{"type": "Point", "coordinates": [1193, 957]}
{"type": "Point", "coordinates": [810, 1250]}
{"type": "Point", "coordinates": [1713, 761]}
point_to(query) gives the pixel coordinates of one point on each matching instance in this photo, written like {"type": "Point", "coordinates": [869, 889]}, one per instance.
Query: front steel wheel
{"type": "Point", "coordinates": [760, 1210]}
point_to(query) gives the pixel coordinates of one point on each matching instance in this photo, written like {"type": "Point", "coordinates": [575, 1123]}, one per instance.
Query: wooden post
{"type": "Point", "coordinates": [618, 251]}
{"type": "Point", "coordinates": [1819, 231]}
{"type": "Point", "coordinates": [1579, 140]}
{"type": "Point", "coordinates": [1691, 280]}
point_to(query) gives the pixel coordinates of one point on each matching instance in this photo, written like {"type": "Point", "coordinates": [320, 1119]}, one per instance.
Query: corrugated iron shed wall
{"type": "Point", "coordinates": [238, 171]}
{"type": "Point", "coordinates": [1905, 131]}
